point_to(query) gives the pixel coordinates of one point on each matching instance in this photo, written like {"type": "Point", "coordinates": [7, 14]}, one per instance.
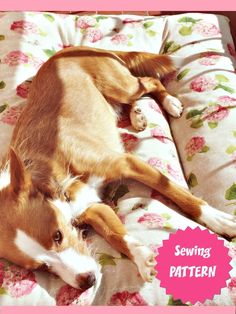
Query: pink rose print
{"type": "Point", "coordinates": [209, 58]}
{"type": "Point", "coordinates": [232, 289]}
{"type": "Point", "coordinates": [132, 23]}
{"type": "Point", "coordinates": [231, 49]}
{"type": "Point", "coordinates": [62, 46]}
{"type": "Point", "coordinates": [175, 174]}
{"type": "Point", "coordinates": [120, 39]}
{"type": "Point", "coordinates": [85, 22]}
{"type": "Point", "coordinates": [153, 105]}
{"type": "Point", "coordinates": [67, 295]}
{"type": "Point", "coordinates": [11, 115]}
{"type": "Point", "coordinates": [203, 83]}
{"type": "Point", "coordinates": [160, 135]}
{"type": "Point", "coordinates": [130, 141]}
{"type": "Point", "coordinates": [215, 113]}
{"type": "Point", "coordinates": [232, 249]}
{"type": "Point", "coordinates": [195, 145]}
{"type": "Point", "coordinates": [226, 101]}
{"type": "Point", "coordinates": [206, 29]}
{"type": "Point", "coordinates": [18, 281]}
{"type": "Point", "coordinates": [157, 163]}
{"type": "Point", "coordinates": [22, 90]}
{"type": "Point", "coordinates": [123, 121]}
{"type": "Point", "coordinates": [93, 35]}
{"type": "Point", "coordinates": [155, 247]}
{"type": "Point", "coordinates": [1, 273]}
{"type": "Point", "coordinates": [15, 58]}
{"type": "Point", "coordinates": [24, 27]}
{"type": "Point", "coordinates": [126, 298]}
{"type": "Point", "coordinates": [152, 220]}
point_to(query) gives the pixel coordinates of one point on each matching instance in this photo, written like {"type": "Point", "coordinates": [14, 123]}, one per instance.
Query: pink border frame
{"type": "Point", "coordinates": [104, 5]}
{"type": "Point", "coordinates": [117, 310]}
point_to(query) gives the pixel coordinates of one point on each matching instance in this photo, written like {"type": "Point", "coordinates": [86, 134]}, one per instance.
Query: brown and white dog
{"type": "Point", "coordinates": [66, 146]}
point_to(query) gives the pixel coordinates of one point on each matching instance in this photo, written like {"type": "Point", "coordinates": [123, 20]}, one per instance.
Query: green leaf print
{"type": "Point", "coordinates": [2, 84]}
{"type": "Point", "coordinates": [3, 107]}
{"type": "Point", "coordinates": [49, 52]}
{"type": "Point", "coordinates": [196, 123]}
{"type": "Point", "coordinates": [221, 78]}
{"type": "Point", "coordinates": [212, 125]}
{"type": "Point", "coordinates": [187, 19]}
{"type": "Point", "coordinates": [234, 133]}
{"type": "Point", "coordinates": [2, 37]}
{"type": "Point", "coordinates": [171, 46]}
{"type": "Point", "coordinates": [230, 194]}
{"type": "Point", "coordinates": [231, 149]}
{"type": "Point", "coordinates": [226, 88]}
{"type": "Point", "coordinates": [186, 30]}
{"type": "Point", "coordinates": [49, 17]}
{"type": "Point", "coordinates": [151, 33]}
{"type": "Point", "coordinates": [2, 291]}
{"type": "Point", "coordinates": [182, 74]}
{"type": "Point", "coordinates": [192, 180]}
{"type": "Point", "coordinates": [106, 259]}
{"type": "Point", "coordinates": [177, 302]}
{"type": "Point", "coordinates": [194, 112]}
{"type": "Point", "coordinates": [205, 149]}
{"type": "Point", "coordinates": [101, 17]}
{"type": "Point", "coordinates": [166, 216]}
{"type": "Point", "coordinates": [152, 125]}
{"type": "Point", "coordinates": [147, 24]}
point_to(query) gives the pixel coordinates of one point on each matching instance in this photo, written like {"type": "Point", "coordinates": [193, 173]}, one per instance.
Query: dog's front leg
{"type": "Point", "coordinates": [106, 223]}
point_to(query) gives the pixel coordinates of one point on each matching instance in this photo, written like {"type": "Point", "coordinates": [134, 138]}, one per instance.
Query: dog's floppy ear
{"type": "Point", "coordinates": [17, 172]}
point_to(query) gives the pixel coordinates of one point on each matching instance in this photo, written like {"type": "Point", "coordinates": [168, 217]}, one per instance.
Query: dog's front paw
{"type": "Point", "coordinates": [173, 106]}
{"type": "Point", "coordinates": [143, 257]}
{"type": "Point", "coordinates": [137, 118]}
{"type": "Point", "coordinates": [222, 223]}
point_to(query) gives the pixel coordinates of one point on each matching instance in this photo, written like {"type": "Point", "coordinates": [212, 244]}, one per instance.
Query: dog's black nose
{"type": "Point", "coordinates": [86, 280]}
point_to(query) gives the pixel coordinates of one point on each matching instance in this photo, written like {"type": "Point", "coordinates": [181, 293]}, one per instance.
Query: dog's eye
{"type": "Point", "coordinates": [58, 237]}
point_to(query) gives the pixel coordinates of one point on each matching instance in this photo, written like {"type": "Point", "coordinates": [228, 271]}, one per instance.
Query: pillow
{"type": "Point", "coordinates": [206, 85]}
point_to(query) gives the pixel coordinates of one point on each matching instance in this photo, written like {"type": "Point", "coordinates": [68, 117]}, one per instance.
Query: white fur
{"type": "Point", "coordinates": [173, 106]}
{"type": "Point", "coordinates": [137, 118]}
{"type": "Point", "coordinates": [143, 257]}
{"type": "Point", "coordinates": [86, 196]}
{"type": "Point", "coordinates": [219, 222]}
{"type": "Point", "coordinates": [4, 178]}
{"type": "Point", "coordinates": [66, 264]}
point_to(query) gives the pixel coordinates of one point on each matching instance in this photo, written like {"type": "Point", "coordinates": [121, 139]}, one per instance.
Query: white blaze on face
{"type": "Point", "coordinates": [66, 264]}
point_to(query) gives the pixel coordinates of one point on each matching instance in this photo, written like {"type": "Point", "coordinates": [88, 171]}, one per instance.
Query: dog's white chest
{"type": "Point", "coordinates": [86, 196]}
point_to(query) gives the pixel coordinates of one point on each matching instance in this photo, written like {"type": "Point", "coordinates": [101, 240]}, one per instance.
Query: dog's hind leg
{"type": "Point", "coordinates": [130, 166]}
{"type": "Point", "coordinates": [106, 223]}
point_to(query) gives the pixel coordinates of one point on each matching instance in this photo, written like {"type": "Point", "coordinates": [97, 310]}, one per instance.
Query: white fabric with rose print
{"type": "Point", "coordinates": [205, 85]}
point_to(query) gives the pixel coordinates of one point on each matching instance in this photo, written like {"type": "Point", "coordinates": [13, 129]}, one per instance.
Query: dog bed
{"type": "Point", "coordinates": [202, 47]}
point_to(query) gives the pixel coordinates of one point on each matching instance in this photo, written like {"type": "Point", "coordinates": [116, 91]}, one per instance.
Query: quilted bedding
{"type": "Point", "coordinates": [203, 49]}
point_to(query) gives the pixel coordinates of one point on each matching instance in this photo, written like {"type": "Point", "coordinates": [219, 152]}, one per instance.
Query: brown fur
{"type": "Point", "coordinates": [68, 126]}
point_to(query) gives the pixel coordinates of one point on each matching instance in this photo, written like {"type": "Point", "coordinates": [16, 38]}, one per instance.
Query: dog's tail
{"type": "Point", "coordinates": [147, 64]}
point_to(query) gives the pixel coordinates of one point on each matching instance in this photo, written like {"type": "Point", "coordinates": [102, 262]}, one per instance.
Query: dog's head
{"type": "Point", "coordinates": [35, 233]}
